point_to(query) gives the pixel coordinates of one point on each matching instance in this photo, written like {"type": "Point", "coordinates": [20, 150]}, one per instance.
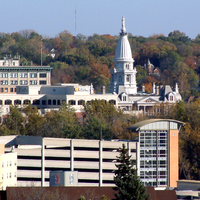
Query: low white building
{"type": "Point", "coordinates": [8, 168]}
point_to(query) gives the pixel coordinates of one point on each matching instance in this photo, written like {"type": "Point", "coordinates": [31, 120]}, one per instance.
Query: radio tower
{"type": "Point", "coordinates": [75, 19]}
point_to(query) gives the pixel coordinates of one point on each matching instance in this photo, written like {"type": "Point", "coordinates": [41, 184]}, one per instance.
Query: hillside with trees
{"type": "Point", "coordinates": [88, 59]}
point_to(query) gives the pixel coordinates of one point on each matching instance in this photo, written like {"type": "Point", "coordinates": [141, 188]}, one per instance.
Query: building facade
{"type": "Point", "coordinates": [12, 75]}
{"type": "Point", "coordinates": [123, 82]}
{"type": "Point", "coordinates": [8, 168]}
{"type": "Point", "coordinates": [158, 141]}
{"type": "Point", "coordinates": [94, 160]}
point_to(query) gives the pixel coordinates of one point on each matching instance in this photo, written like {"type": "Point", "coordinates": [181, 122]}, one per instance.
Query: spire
{"type": "Point", "coordinates": [148, 62]}
{"type": "Point", "coordinates": [123, 30]}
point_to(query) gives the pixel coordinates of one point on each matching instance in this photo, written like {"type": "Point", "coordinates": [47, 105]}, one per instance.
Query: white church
{"type": "Point", "coordinates": [123, 88]}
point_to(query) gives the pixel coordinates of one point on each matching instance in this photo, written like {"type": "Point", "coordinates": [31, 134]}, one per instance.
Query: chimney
{"type": "Point", "coordinates": [154, 88]}
{"type": "Point", "coordinates": [157, 90]}
{"type": "Point", "coordinates": [143, 88]}
{"type": "Point", "coordinates": [103, 89]}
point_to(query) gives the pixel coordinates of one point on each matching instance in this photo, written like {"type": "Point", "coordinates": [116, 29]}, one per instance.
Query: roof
{"type": "Point", "coordinates": [140, 124]}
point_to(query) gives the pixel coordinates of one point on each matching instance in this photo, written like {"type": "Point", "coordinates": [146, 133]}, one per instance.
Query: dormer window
{"type": "Point", "coordinates": [171, 98]}
{"type": "Point", "coordinates": [124, 98]}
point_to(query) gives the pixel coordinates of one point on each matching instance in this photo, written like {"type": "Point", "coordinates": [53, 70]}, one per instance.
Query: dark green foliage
{"type": "Point", "coordinates": [128, 184]}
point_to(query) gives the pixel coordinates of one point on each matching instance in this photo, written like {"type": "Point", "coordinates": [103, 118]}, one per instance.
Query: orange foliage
{"type": "Point", "coordinates": [99, 69]}
{"type": "Point", "coordinates": [148, 87]}
{"type": "Point", "coordinates": [108, 36]}
{"type": "Point", "coordinates": [191, 61]}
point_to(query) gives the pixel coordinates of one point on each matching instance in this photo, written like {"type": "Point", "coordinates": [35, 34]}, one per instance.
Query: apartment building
{"type": "Point", "coordinates": [12, 74]}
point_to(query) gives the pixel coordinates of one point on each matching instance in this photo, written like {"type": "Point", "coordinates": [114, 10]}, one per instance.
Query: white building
{"type": "Point", "coordinates": [123, 82]}
{"type": "Point", "coordinates": [8, 168]}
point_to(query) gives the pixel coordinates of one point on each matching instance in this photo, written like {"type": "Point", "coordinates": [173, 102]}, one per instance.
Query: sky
{"type": "Point", "coordinates": [143, 17]}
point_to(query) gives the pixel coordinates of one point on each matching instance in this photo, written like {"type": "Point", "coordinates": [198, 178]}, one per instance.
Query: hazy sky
{"type": "Point", "coordinates": [143, 17]}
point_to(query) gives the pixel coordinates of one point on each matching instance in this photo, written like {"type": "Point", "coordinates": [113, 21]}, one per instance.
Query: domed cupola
{"type": "Point", "coordinates": [123, 74]}
{"type": "Point", "coordinates": [123, 50]}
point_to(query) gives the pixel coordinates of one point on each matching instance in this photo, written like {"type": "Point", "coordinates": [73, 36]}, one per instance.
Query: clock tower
{"type": "Point", "coordinates": [123, 74]}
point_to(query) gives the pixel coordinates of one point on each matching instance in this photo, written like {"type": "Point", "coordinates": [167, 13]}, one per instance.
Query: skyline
{"type": "Point", "coordinates": [143, 18]}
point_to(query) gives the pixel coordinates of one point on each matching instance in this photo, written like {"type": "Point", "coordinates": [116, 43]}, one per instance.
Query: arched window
{"type": "Point", "coordinates": [54, 102]}
{"type": "Point", "coordinates": [49, 101]}
{"type": "Point", "coordinates": [112, 102]}
{"type": "Point", "coordinates": [26, 101]}
{"type": "Point", "coordinates": [17, 102]}
{"type": "Point", "coordinates": [81, 102]}
{"type": "Point", "coordinates": [8, 102]}
{"type": "Point", "coordinates": [36, 102]}
{"type": "Point", "coordinates": [72, 102]}
{"type": "Point", "coordinates": [58, 102]}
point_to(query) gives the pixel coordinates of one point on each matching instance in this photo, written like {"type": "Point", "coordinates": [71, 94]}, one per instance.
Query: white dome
{"type": "Point", "coordinates": [123, 50]}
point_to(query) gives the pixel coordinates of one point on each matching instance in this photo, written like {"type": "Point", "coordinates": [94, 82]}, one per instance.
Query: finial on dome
{"type": "Point", "coordinates": [123, 30]}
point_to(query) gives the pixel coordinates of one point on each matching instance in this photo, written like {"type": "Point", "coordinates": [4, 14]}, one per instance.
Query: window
{"type": "Point", "coordinates": [124, 98]}
{"type": "Point", "coordinates": [13, 63]}
{"type": "Point", "coordinates": [10, 175]}
{"type": "Point", "coordinates": [58, 102]}
{"type": "Point", "coordinates": [4, 82]}
{"type": "Point", "coordinates": [23, 82]}
{"type": "Point", "coordinates": [23, 75]}
{"type": "Point", "coordinates": [13, 82]}
{"type": "Point", "coordinates": [11, 90]}
{"type": "Point", "coordinates": [49, 102]}
{"type": "Point", "coordinates": [128, 79]}
{"type": "Point", "coordinates": [13, 75]}
{"type": "Point", "coordinates": [43, 75]}
{"type": "Point", "coordinates": [6, 89]}
{"type": "Point", "coordinates": [72, 102]}
{"type": "Point", "coordinates": [2, 89]}
{"type": "Point", "coordinates": [43, 82]}
{"type": "Point", "coordinates": [33, 75]}
{"type": "Point", "coordinates": [127, 66]}
{"type": "Point", "coordinates": [3, 75]}
{"type": "Point", "coordinates": [43, 102]}
{"type": "Point", "coordinates": [33, 82]}
{"type": "Point", "coordinates": [54, 102]}
{"type": "Point", "coordinates": [36, 102]}
{"type": "Point", "coordinates": [2, 164]}
{"type": "Point", "coordinates": [15, 174]}
{"type": "Point", "coordinates": [171, 98]}
{"type": "Point", "coordinates": [10, 163]}
{"type": "Point", "coordinates": [2, 176]}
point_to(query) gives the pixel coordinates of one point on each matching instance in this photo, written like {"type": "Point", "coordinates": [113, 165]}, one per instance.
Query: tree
{"type": "Point", "coordinates": [128, 184]}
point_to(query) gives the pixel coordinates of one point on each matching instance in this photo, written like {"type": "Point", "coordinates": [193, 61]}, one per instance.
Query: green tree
{"type": "Point", "coordinates": [15, 121]}
{"type": "Point", "coordinates": [128, 184]}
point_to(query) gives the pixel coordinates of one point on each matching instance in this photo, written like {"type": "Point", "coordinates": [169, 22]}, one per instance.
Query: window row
{"type": "Point", "coordinates": [5, 90]}
{"type": "Point", "coordinates": [23, 82]}
{"type": "Point", "coordinates": [9, 175]}
{"type": "Point", "coordinates": [23, 75]}
{"type": "Point", "coordinates": [45, 102]}
{"type": "Point", "coordinates": [8, 163]}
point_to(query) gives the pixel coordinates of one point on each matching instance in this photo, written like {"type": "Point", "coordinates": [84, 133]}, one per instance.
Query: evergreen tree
{"type": "Point", "coordinates": [128, 184]}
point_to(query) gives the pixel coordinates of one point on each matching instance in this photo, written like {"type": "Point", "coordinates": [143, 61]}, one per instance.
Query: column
{"type": "Point", "coordinates": [71, 155]}
{"type": "Point", "coordinates": [42, 164]}
{"type": "Point", "coordinates": [100, 163]}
